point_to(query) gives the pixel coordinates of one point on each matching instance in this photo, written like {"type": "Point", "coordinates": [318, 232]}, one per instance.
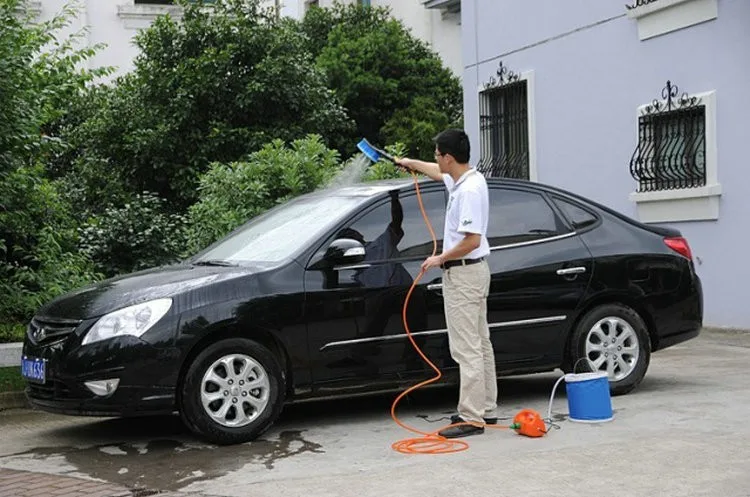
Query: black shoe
{"type": "Point", "coordinates": [457, 419]}
{"type": "Point", "coordinates": [461, 431]}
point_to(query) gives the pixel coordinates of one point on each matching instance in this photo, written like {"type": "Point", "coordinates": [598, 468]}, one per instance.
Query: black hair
{"type": "Point", "coordinates": [454, 142]}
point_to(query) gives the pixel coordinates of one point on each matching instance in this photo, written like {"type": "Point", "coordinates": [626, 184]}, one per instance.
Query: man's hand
{"type": "Point", "coordinates": [431, 262]}
{"type": "Point", "coordinates": [403, 163]}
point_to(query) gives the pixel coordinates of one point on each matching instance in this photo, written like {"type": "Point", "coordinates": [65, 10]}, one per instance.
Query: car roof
{"type": "Point", "coordinates": [377, 187]}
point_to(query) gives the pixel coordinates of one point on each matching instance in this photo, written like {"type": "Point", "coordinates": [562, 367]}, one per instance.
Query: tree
{"type": "Point", "coordinates": [39, 73]}
{"type": "Point", "coordinates": [394, 87]}
{"type": "Point", "coordinates": [213, 87]}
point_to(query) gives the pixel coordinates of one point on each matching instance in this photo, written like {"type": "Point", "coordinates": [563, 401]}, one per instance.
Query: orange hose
{"type": "Point", "coordinates": [429, 442]}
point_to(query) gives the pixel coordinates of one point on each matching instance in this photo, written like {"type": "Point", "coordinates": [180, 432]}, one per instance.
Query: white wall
{"type": "Point", "coordinates": [115, 22]}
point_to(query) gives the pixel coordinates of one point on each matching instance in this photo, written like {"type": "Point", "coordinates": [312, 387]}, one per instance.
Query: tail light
{"type": "Point", "coordinates": [679, 245]}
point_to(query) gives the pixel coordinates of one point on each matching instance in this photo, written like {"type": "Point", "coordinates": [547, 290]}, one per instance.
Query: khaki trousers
{"type": "Point", "coordinates": [465, 291]}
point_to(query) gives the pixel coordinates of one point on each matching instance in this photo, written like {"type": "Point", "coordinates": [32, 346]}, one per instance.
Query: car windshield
{"type": "Point", "coordinates": [278, 233]}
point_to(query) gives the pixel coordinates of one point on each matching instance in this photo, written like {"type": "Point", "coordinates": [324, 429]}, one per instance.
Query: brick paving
{"type": "Point", "coordinates": [27, 484]}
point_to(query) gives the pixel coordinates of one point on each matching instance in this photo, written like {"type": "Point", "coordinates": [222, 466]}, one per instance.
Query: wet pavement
{"type": "Point", "coordinates": [682, 432]}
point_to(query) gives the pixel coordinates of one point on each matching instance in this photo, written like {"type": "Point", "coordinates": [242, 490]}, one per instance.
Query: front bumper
{"type": "Point", "coordinates": [146, 377]}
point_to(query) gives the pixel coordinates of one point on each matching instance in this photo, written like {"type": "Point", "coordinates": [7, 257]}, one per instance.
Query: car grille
{"type": "Point", "coordinates": [48, 330]}
{"type": "Point", "coordinates": [51, 390]}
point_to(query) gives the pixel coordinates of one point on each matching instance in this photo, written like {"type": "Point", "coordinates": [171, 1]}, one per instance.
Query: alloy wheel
{"type": "Point", "coordinates": [612, 346]}
{"type": "Point", "coordinates": [235, 390]}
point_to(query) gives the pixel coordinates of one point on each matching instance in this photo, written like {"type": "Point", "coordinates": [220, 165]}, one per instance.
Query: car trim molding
{"type": "Point", "coordinates": [502, 324]}
{"type": "Point", "coordinates": [534, 242]}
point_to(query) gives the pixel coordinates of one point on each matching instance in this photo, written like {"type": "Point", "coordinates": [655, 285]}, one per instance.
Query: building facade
{"type": "Point", "coordinates": [639, 107]}
{"type": "Point", "coordinates": [115, 22]}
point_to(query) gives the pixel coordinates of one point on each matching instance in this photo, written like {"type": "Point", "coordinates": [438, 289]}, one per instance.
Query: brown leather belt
{"type": "Point", "coordinates": [461, 262]}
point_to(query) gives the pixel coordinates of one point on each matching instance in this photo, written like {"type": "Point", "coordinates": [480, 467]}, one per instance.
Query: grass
{"type": "Point", "coordinates": [12, 332]}
{"type": "Point", "coordinates": [11, 380]}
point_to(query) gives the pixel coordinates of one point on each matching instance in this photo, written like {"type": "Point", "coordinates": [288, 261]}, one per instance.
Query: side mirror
{"type": "Point", "coordinates": [345, 251]}
{"type": "Point", "coordinates": [340, 252]}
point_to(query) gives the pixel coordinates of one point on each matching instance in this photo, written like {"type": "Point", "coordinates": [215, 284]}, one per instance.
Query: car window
{"type": "Point", "coordinates": [520, 216]}
{"type": "Point", "coordinates": [396, 229]}
{"type": "Point", "coordinates": [578, 216]}
{"type": "Point", "coordinates": [280, 232]}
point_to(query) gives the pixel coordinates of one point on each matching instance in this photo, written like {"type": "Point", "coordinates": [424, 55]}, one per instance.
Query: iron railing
{"type": "Point", "coordinates": [671, 150]}
{"type": "Point", "coordinates": [640, 3]}
{"type": "Point", "coordinates": [503, 122]}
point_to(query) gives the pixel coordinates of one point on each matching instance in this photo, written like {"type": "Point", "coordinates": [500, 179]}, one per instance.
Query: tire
{"type": "Point", "coordinates": [233, 408]}
{"type": "Point", "coordinates": [626, 360]}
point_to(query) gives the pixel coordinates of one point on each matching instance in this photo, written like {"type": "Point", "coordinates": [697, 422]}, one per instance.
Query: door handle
{"type": "Point", "coordinates": [571, 270]}
{"type": "Point", "coordinates": [435, 286]}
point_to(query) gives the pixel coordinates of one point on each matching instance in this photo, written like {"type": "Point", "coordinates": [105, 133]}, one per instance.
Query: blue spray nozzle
{"type": "Point", "coordinates": [371, 152]}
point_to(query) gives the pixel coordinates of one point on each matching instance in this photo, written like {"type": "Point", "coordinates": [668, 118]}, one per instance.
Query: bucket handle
{"type": "Point", "coordinates": [576, 364]}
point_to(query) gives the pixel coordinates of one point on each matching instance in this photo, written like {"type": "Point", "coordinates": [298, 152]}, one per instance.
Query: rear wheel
{"type": "Point", "coordinates": [232, 392]}
{"type": "Point", "coordinates": [612, 338]}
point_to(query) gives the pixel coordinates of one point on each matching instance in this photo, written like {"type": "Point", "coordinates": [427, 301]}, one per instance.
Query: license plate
{"type": "Point", "coordinates": [34, 369]}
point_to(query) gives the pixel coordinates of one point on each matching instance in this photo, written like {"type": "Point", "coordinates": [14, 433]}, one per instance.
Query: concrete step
{"type": "Point", "coordinates": [10, 354]}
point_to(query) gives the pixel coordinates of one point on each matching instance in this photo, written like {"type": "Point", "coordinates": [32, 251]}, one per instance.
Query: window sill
{"type": "Point", "coordinates": [693, 204]}
{"type": "Point", "coordinates": [664, 16]}
{"type": "Point", "coordinates": [141, 16]}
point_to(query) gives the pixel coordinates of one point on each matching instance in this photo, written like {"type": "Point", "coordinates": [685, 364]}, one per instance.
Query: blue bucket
{"type": "Point", "coordinates": [588, 397]}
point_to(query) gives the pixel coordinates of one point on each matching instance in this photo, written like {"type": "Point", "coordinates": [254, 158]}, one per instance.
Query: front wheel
{"type": "Point", "coordinates": [612, 338]}
{"type": "Point", "coordinates": [232, 392]}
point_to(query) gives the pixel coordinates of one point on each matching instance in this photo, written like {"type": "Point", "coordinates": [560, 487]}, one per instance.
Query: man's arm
{"type": "Point", "coordinates": [430, 169]}
{"type": "Point", "coordinates": [470, 242]}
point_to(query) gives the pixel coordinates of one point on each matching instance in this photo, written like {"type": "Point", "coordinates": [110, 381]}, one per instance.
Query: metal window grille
{"type": "Point", "coordinates": [639, 3]}
{"type": "Point", "coordinates": [504, 127]}
{"type": "Point", "coordinates": [671, 150]}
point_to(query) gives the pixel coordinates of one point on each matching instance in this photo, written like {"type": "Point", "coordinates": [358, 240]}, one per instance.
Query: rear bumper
{"type": "Point", "coordinates": [682, 320]}
{"type": "Point", "coordinates": [670, 340]}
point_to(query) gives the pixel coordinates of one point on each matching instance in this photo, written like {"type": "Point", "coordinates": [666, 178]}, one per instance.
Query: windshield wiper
{"type": "Point", "coordinates": [215, 262]}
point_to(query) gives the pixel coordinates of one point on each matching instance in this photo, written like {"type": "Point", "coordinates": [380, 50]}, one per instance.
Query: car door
{"type": "Point", "coordinates": [540, 272]}
{"type": "Point", "coordinates": [354, 312]}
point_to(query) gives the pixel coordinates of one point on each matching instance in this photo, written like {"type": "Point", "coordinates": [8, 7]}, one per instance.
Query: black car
{"type": "Point", "coordinates": [305, 302]}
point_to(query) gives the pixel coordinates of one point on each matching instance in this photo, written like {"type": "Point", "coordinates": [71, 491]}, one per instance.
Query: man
{"type": "Point", "coordinates": [466, 279]}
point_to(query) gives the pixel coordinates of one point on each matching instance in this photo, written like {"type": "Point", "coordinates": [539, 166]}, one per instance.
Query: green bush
{"type": "Point", "coordinates": [390, 82]}
{"type": "Point", "coordinates": [138, 235]}
{"type": "Point", "coordinates": [53, 270]}
{"type": "Point", "coordinates": [230, 194]}
{"type": "Point", "coordinates": [211, 88]}
{"type": "Point", "coordinates": [12, 332]}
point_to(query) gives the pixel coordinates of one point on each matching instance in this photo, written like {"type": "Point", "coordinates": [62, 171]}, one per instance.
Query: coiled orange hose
{"type": "Point", "coordinates": [429, 442]}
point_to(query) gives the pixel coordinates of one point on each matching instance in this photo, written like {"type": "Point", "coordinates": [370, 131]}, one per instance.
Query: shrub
{"type": "Point", "coordinates": [137, 235]}
{"type": "Point", "coordinates": [230, 194]}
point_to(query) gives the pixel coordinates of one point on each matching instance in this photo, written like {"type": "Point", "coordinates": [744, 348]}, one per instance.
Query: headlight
{"type": "Point", "coordinates": [134, 320]}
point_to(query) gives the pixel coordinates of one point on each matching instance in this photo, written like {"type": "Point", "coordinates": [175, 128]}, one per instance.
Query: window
{"type": "Point", "coordinates": [674, 163]}
{"type": "Point", "coordinates": [504, 127]}
{"type": "Point", "coordinates": [671, 151]}
{"type": "Point", "coordinates": [520, 216]}
{"type": "Point", "coordinates": [395, 229]}
{"type": "Point", "coordinates": [365, 3]}
{"type": "Point", "coordinates": [576, 215]}
{"type": "Point", "coordinates": [279, 233]}
{"type": "Point", "coordinates": [659, 17]}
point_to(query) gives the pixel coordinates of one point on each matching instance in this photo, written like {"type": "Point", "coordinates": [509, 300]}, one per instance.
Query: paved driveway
{"type": "Point", "coordinates": [684, 431]}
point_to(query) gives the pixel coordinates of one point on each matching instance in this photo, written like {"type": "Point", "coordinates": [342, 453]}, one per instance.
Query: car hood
{"type": "Point", "coordinates": [109, 295]}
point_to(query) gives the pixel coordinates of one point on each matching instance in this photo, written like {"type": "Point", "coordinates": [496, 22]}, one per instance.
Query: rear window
{"type": "Point", "coordinates": [578, 216]}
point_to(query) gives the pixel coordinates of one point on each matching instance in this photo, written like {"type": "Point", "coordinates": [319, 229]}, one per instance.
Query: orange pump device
{"type": "Point", "coordinates": [528, 422]}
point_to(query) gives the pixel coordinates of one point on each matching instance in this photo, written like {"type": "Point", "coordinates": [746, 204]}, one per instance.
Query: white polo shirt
{"type": "Point", "coordinates": [467, 212]}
